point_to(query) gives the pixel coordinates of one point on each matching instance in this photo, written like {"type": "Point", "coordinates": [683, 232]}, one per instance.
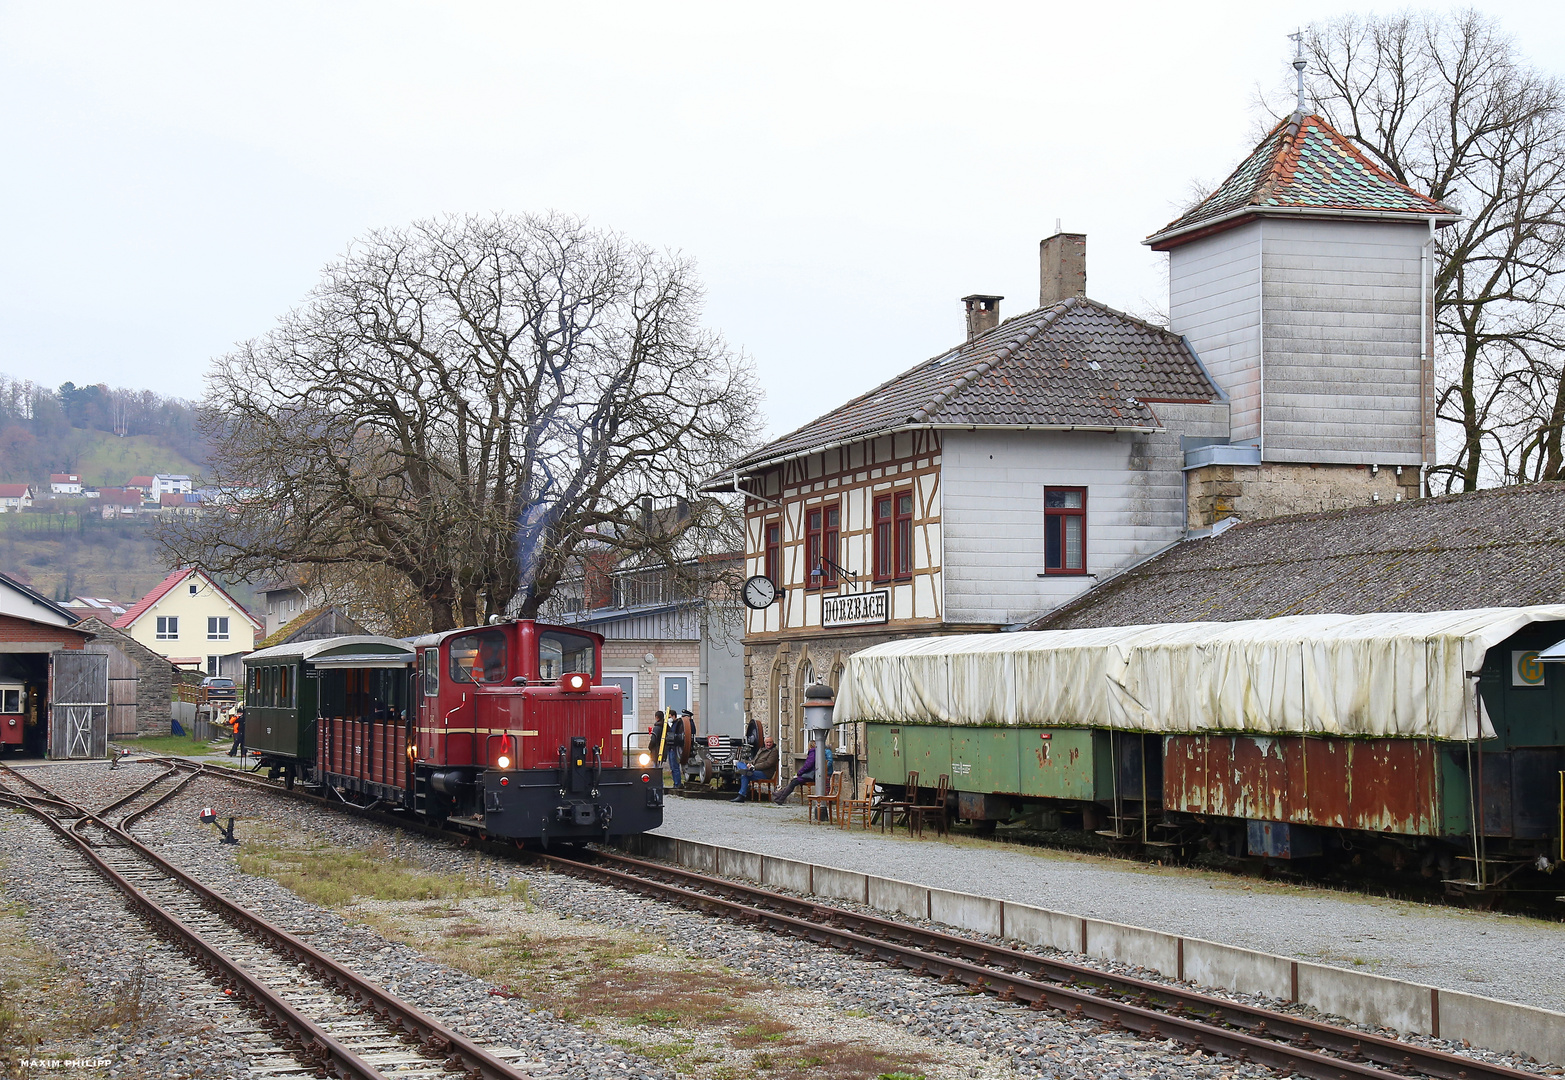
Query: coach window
{"type": "Point", "coordinates": [479, 658]}
{"type": "Point", "coordinates": [285, 687]}
{"type": "Point", "coordinates": [431, 672]}
{"type": "Point", "coordinates": [1065, 530]}
{"type": "Point", "coordinates": [774, 552]}
{"type": "Point", "coordinates": [559, 654]}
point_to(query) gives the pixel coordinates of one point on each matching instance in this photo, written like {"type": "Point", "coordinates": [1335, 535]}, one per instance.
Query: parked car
{"type": "Point", "coordinates": [217, 688]}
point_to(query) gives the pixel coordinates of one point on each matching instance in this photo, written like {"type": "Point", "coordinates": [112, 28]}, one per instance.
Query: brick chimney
{"type": "Point", "coordinates": [983, 313]}
{"type": "Point", "coordinates": [598, 579]}
{"type": "Point", "coordinates": [1062, 268]}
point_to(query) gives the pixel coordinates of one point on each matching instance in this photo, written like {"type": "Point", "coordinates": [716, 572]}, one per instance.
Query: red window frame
{"type": "Point", "coordinates": [831, 543]}
{"type": "Point", "coordinates": [1059, 520]}
{"type": "Point", "coordinates": [903, 520]}
{"type": "Point", "coordinates": [885, 544]}
{"type": "Point", "coordinates": [812, 546]}
{"type": "Point", "coordinates": [771, 534]}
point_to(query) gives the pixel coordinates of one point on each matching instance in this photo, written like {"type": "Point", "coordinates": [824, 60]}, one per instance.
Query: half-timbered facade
{"type": "Point", "coordinates": [999, 478]}
{"type": "Point", "coordinates": [1054, 451]}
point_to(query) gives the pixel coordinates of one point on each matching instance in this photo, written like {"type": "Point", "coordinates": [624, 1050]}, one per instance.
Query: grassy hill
{"type": "Point", "coordinates": [106, 460]}
{"type": "Point", "coordinates": [65, 555]}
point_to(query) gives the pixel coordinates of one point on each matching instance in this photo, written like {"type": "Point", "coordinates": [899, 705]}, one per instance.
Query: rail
{"type": "Point", "coordinates": [1283, 1040]}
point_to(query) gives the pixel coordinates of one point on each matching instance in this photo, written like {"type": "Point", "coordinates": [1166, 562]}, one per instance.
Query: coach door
{"type": "Point", "coordinates": [79, 705]}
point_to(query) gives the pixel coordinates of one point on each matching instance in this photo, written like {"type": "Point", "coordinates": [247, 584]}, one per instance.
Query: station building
{"type": "Point", "coordinates": [1050, 452]}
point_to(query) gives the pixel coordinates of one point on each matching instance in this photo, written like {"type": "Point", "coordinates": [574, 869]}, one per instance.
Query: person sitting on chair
{"type": "Point", "coordinates": [764, 767]}
{"type": "Point", "coordinates": [805, 775]}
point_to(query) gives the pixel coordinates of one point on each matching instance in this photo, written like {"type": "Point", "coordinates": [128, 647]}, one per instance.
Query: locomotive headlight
{"type": "Point", "coordinates": [576, 682]}
{"type": "Point", "coordinates": [503, 761]}
{"type": "Point", "coordinates": [644, 760]}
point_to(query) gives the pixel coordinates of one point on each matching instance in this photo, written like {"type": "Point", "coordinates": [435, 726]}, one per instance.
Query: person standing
{"type": "Point", "coordinates": [764, 767]}
{"type": "Point", "coordinates": [674, 745]}
{"type": "Point", "coordinates": [239, 732]}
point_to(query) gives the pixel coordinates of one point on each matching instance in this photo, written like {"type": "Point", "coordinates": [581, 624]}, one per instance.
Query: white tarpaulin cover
{"type": "Point", "coordinates": [1401, 674]}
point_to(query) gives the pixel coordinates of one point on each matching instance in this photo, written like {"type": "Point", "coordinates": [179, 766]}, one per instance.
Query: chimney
{"type": "Point", "coordinates": [983, 313]}
{"type": "Point", "coordinates": [1062, 268]}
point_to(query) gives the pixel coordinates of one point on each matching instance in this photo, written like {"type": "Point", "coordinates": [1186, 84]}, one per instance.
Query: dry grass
{"type": "Point", "coordinates": [336, 877]}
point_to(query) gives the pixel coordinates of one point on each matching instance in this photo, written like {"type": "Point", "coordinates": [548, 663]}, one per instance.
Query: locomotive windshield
{"type": "Point", "coordinates": [559, 654]}
{"type": "Point", "coordinates": [479, 658]}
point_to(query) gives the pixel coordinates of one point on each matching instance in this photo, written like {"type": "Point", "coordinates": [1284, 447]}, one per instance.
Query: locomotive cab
{"type": "Point", "coordinates": [517, 737]}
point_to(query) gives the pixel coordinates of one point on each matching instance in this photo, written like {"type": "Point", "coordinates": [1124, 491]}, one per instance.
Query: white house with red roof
{"type": "Point", "coordinates": [65, 484]}
{"type": "Point", "coordinates": [15, 497]}
{"type": "Point", "coordinates": [191, 620]}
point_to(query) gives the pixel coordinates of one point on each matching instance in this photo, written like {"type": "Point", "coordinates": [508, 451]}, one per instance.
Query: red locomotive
{"type": "Point", "coordinates": [505, 729]}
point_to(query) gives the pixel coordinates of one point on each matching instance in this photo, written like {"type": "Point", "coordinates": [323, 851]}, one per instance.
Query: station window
{"type": "Point", "coordinates": [217, 628]}
{"type": "Point", "coordinates": [774, 552]}
{"type": "Point", "coordinates": [812, 549]}
{"type": "Point", "coordinates": [831, 544]}
{"type": "Point", "coordinates": [168, 627]}
{"type": "Point", "coordinates": [904, 534]}
{"type": "Point", "coordinates": [1065, 530]}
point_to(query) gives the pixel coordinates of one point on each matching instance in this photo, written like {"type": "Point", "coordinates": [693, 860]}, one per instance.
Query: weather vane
{"type": "Point", "coordinates": [1297, 37]}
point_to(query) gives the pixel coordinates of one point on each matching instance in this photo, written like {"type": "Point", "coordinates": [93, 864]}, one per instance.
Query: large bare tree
{"type": "Point", "coordinates": [1444, 104]}
{"type": "Point", "coordinates": [463, 402]}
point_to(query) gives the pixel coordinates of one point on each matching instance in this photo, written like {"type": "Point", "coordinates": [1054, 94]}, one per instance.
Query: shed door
{"type": "Point", "coordinates": [79, 705]}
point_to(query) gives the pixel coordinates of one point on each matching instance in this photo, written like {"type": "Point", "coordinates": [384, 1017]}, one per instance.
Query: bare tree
{"type": "Point", "coordinates": [465, 401]}
{"type": "Point", "coordinates": [1444, 105]}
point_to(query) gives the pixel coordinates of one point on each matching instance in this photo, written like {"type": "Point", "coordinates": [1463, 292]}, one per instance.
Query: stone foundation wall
{"type": "Point", "coordinates": [1276, 489]}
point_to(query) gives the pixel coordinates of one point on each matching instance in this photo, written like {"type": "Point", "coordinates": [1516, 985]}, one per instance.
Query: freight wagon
{"type": "Point", "coordinates": [1285, 738]}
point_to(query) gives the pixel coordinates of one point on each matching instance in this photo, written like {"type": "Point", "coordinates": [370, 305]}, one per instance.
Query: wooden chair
{"type": "Point", "coordinates": [862, 805]}
{"type": "Point", "coordinates": [888, 809]}
{"type": "Point", "coordinates": [917, 815]}
{"type": "Point", "coordinates": [830, 801]}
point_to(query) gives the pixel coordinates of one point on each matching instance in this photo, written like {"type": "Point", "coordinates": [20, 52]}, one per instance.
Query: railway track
{"type": "Point", "coordinates": [1281, 1040]}
{"type": "Point", "coordinates": [329, 1019]}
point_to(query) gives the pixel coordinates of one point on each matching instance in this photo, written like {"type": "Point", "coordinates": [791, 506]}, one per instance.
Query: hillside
{"type": "Point", "coordinates": [66, 555]}
{"type": "Point", "coordinates": [103, 459]}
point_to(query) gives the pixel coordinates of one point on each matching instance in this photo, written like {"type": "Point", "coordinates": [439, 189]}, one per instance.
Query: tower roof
{"type": "Point", "coordinates": [1302, 166]}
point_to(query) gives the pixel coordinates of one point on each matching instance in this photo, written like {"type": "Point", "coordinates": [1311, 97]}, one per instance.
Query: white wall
{"type": "Point", "coordinates": [1214, 300]}
{"type": "Point", "coordinates": [993, 508]}
{"type": "Point", "coordinates": [1341, 341]}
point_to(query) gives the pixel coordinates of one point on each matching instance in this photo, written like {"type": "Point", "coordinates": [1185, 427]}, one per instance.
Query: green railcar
{"type": "Point", "coordinates": [283, 690]}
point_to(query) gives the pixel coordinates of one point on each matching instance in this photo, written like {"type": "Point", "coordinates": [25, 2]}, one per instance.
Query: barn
{"type": "Point", "coordinates": [54, 694]}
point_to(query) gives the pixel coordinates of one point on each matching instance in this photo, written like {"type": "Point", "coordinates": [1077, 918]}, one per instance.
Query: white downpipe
{"type": "Point", "coordinates": [1260, 335]}
{"type": "Point", "coordinates": [1426, 266]}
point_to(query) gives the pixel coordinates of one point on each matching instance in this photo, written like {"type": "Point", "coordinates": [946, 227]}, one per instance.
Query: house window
{"type": "Point", "coordinates": [1065, 530]}
{"type": "Point", "coordinates": [217, 628]}
{"type": "Point", "coordinates": [194, 589]}
{"type": "Point", "coordinates": [168, 627]}
{"type": "Point", "coordinates": [812, 549]}
{"type": "Point", "coordinates": [774, 552]}
{"type": "Point", "coordinates": [904, 524]}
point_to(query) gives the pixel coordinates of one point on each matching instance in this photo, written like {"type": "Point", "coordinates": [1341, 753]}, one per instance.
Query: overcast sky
{"type": "Point", "coordinates": [177, 174]}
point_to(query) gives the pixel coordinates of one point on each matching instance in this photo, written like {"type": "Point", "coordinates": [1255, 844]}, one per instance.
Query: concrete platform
{"type": "Point", "coordinates": [1500, 956]}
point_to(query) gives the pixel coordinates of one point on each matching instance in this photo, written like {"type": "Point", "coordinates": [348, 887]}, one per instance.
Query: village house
{"type": "Point", "coordinates": [193, 621]}
{"type": "Point", "coordinates": [65, 484]}
{"type": "Point", "coordinates": [1048, 453]}
{"type": "Point", "coordinates": [169, 484]}
{"type": "Point", "coordinates": [15, 497]}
